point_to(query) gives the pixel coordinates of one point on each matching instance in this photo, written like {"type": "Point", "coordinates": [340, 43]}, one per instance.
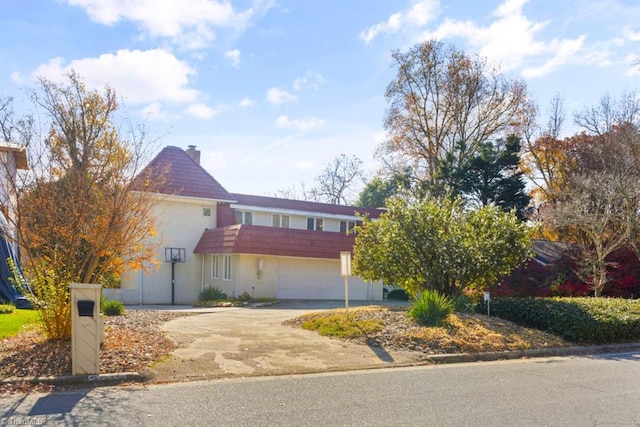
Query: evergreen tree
{"type": "Point", "coordinates": [490, 176]}
{"type": "Point", "coordinates": [377, 191]}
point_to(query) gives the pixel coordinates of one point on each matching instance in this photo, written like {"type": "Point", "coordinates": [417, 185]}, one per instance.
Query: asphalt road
{"type": "Point", "coordinates": [601, 390]}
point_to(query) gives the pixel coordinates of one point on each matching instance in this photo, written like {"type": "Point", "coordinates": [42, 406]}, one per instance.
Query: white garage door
{"type": "Point", "coordinates": [300, 278]}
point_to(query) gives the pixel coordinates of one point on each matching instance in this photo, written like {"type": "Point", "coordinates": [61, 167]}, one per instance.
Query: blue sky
{"type": "Point", "coordinates": [270, 91]}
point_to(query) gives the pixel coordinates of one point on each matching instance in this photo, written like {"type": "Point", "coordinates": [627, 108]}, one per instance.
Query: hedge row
{"type": "Point", "coordinates": [579, 320]}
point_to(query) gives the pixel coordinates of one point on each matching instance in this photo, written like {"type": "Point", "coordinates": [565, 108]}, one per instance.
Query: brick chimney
{"type": "Point", "coordinates": [193, 153]}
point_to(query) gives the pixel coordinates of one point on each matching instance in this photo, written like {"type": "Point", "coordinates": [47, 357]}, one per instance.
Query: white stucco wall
{"type": "Point", "coordinates": [180, 224]}
{"type": "Point", "coordinates": [289, 278]}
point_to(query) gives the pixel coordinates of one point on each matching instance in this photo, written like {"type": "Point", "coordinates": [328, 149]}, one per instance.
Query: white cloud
{"type": "Point", "coordinates": [508, 40]}
{"type": "Point", "coordinates": [311, 80]}
{"type": "Point", "coordinates": [246, 103]}
{"type": "Point", "coordinates": [419, 14]}
{"type": "Point", "coordinates": [154, 111]}
{"type": "Point", "coordinates": [633, 62]}
{"type": "Point", "coordinates": [137, 76]}
{"type": "Point", "coordinates": [565, 52]}
{"type": "Point", "coordinates": [379, 137]}
{"type": "Point", "coordinates": [233, 56]}
{"type": "Point", "coordinates": [301, 125]}
{"type": "Point", "coordinates": [305, 165]}
{"type": "Point", "coordinates": [511, 41]}
{"type": "Point", "coordinates": [277, 96]}
{"type": "Point", "coordinates": [631, 35]}
{"type": "Point", "coordinates": [188, 23]}
{"type": "Point", "coordinates": [202, 111]}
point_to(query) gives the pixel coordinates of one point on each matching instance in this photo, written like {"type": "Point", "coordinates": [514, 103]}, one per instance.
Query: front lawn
{"type": "Point", "coordinates": [11, 324]}
{"type": "Point", "coordinates": [391, 327]}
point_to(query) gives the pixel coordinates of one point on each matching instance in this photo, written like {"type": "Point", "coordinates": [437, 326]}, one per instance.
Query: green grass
{"type": "Point", "coordinates": [11, 324]}
{"type": "Point", "coordinates": [337, 325]}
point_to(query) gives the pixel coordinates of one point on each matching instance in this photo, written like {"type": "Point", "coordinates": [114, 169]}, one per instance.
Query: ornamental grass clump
{"type": "Point", "coordinates": [430, 308]}
{"type": "Point", "coordinates": [211, 293]}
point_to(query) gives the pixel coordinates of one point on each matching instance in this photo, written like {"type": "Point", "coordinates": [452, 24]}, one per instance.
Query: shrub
{"type": "Point", "coordinates": [580, 320]}
{"type": "Point", "coordinates": [111, 308]}
{"type": "Point", "coordinates": [6, 309]}
{"type": "Point", "coordinates": [51, 298]}
{"type": "Point", "coordinates": [244, 297]}
{"type": "Point", "coordinates": [398, 294]}
{"type": "Point", "coordinates": [430, 308]}
{"type": "Point", "coordinates": [211, 293]}
{"type": "Point", "coordinates": [463, 304]}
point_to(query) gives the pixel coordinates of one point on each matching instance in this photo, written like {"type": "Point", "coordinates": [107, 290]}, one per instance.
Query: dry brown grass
{"type": "Point", "coordinates": [461, 333]}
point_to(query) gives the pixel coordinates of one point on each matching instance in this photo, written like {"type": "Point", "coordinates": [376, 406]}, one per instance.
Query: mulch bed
{"type": "Point", "coordinates": [131, 343]}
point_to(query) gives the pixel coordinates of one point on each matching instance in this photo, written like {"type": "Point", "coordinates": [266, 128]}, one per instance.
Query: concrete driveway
{"type": "Point", "coordinates": [237, 342]}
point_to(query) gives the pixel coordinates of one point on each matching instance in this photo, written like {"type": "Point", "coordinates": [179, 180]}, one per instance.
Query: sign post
{"type": "Point", "coordinates": [487, 299]}
{"type": "Point", "coordinates": [345, 269]}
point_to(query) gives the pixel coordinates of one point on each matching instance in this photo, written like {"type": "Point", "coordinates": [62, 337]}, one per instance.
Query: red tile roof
{"type": "Point", "coordinates": [300, 205]}
{"type": "Point", "coordinates": [175, 172]}
{"type": "Point", "coordinates": [259, 240]}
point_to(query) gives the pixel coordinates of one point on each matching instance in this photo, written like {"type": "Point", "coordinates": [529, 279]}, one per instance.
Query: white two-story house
{"type": "Point", "coordinates": [265, 246]}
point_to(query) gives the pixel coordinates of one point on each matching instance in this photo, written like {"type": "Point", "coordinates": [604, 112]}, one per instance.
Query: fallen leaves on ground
{"type": "Point", "coordinates": [461, 333]}
{"type": "Point", "coordinates": [135, 340]}
{"type": "Point", "coordinates": [131, 343]}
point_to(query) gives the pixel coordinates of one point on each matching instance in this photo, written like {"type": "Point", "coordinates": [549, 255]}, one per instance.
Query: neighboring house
{"type": "Point", "coordinates": [548, 252]}
{"type": "Point", "coordinates": [13, 157]}
{"type": "Point", "coordinates": [265, 246]}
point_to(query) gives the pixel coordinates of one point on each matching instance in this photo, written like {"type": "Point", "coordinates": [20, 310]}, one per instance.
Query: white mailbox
{"type": "Point", "coordinates": [86, 328]}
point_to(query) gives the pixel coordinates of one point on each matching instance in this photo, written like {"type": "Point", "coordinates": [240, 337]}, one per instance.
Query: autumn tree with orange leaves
{"type": "Point", "coordinates": [588, 186]}
{"type": "Point", "coordinates": [80, 218]}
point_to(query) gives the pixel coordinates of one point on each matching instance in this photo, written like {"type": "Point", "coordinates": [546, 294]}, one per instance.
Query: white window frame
{"type": "Point", "coordinates": [226, 270]}
{"type": "Point", "coordinates": [246, 217]}
{"type": "Point", "coordinates": [280, 221]}
{"type": "Point", "coordinates": [207, 211]}
{"type": "Point", "coordinates": [214, 267]}
{"type": "Point", "coordinates": [349, 225]}
{"type": "Point", "coordinates": [318, 224]}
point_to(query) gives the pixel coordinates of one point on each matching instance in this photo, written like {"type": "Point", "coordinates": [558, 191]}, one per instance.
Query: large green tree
{"type": "Point", "coordinates": [439, 97]}
{"type": "Point", "coordinates": [439, 245]}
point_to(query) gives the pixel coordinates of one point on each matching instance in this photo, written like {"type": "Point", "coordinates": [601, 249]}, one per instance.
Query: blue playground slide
{"type": "Point", "coordinates": [8, 291]}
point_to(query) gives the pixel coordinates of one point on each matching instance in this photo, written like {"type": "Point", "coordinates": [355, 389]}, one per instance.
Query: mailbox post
{"type": "Point", "coordinates": [86, 328]}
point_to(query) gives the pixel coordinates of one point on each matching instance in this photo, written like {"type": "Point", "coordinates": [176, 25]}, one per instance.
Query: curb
{"type": "Point", "coordinates": [538, 352]}
{"type": "Point", "coordinates": [99, 380]}
{"type": "Point", "coordinates": [95, 380]}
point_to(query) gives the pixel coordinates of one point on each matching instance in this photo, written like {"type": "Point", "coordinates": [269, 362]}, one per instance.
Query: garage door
{"type": "Point", "coordinates": [300, 278]}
